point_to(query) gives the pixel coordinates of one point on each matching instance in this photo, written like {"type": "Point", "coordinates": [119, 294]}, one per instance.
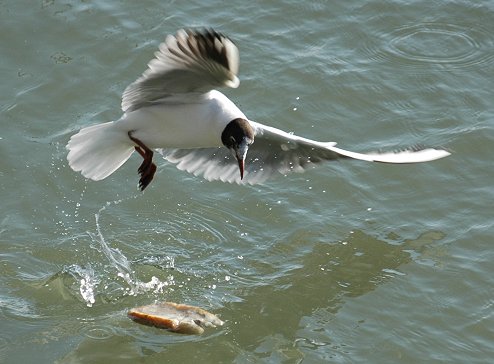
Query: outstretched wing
{"type": "Point", "coordinates": [192, 61]}
{"type": "Point", "coordinates": [277, 152]}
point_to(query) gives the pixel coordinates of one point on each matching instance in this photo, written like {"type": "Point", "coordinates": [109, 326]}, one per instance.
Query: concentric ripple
{"type": "Point", "coordinates": [98, 332]}
{"type": "Point", "coordinates": [439, 43]}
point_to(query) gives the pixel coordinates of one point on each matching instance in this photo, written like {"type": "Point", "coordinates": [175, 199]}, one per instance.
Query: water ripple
{"type": "Point", "coordinates": [448, 45]}
{"type": "Point", "coordinates": [98, 332]}
{"type": "Point", "coordinates": [5, 344]}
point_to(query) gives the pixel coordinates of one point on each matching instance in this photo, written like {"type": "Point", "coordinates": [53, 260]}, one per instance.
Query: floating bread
{"type": "Point", "coordinates": [179, 318]}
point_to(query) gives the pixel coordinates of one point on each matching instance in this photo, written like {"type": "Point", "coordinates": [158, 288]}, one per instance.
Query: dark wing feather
{"type": "Point", "coordinates": [192, 61]}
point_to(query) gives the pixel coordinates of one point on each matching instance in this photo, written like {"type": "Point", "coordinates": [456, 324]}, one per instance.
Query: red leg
{"type": "Point", "coordinates": [147, 168]}
{"type": "Point", "coordinates": [140, 151]}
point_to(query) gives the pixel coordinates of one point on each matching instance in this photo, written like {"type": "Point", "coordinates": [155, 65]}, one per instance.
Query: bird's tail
{"type": "Point", "coordinates": [99, 150]}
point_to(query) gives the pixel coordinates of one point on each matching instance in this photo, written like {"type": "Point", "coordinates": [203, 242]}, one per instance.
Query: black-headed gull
{"type": "Point", "coordinates": [175, 108]}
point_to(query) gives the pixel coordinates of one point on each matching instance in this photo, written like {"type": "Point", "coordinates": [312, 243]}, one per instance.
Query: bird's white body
{"type": "Point", "coordinates": [174, 106]}
{"type": "Point", "coordinates": [194, 123]}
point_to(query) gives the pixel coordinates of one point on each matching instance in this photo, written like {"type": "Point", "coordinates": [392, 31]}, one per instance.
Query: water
{"type": "Point", "coordinates": [351, 262]}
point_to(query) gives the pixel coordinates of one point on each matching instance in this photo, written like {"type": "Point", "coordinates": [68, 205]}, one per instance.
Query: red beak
{"type": "Point", "coordinates": [241, 164]}
{"type": "Point", "coordinates": [240, 154]}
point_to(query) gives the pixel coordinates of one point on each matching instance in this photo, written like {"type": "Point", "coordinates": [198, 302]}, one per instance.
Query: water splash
{"type": "Point", "coordinates": [115, 256]}
{"type": "Point", "coordinates": [120, 262]}
{"type": "Point", "coordinates": [88, 284]}
{"type": "Point", "coordinates": [83, 279]}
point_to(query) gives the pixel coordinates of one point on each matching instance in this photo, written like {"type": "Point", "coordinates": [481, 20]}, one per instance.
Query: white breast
{"type": "Point", "coordinates": [174, 124]}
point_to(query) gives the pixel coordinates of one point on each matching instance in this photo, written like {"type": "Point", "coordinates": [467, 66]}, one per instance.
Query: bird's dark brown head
{"type": "Point", "coordinates": [237, 136]}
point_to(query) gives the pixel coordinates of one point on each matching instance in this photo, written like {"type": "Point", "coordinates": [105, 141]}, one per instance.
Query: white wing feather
{"type": "Point", "coordinates": [277, 152]}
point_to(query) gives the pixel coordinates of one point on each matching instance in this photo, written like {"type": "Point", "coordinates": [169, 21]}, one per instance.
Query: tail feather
{"type": "Point", "coordinates": [99, 150]}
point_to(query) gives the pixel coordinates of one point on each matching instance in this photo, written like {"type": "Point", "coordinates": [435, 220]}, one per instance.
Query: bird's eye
{"type": "Point", "coordinates": [232, 140]}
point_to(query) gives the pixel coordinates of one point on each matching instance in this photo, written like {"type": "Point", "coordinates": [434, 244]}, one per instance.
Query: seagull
{"type": "Point", "coordinates": [175, 109]}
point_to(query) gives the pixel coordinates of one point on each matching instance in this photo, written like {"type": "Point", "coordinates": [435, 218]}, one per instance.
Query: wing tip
{"type": "Point", "coordinates": [233, 82]}
{"type": "Point", "coordinates": [414, 154]}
